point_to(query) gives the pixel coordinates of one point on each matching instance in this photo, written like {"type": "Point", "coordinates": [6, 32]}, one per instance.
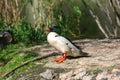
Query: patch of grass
{"type": "Point", "coordinates": [11, 57]}
{"type": "Point", "coordinates": [110, 68]}
{"type": "Point", "coordinates": [94, 72]}
{"type": "Point", "coordinates": [98, 70]}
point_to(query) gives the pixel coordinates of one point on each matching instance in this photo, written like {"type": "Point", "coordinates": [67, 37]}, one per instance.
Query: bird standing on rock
{"type": "Point", "coordinates": [63, 45]}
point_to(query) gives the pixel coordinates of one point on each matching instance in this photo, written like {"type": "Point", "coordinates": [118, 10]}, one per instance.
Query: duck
{"type": "Point", "coordinates": [62, 44]}
{"type": "Point", "coordinates": [5, 37]}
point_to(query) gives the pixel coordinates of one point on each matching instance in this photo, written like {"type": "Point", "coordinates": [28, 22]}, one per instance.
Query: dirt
{"type": "Point", "coordinates": [102, 53]}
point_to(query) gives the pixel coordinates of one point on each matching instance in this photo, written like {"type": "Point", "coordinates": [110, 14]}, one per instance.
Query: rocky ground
{"type": "Point", "coordinates": [103, 63]}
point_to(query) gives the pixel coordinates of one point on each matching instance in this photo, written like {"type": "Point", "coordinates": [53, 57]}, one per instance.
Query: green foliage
{"type": "Point", "coordinates": [21, 32]}
{"type": "Point", "coordinates": [12, 56]}
{"type": "Point", "coordinates": [24, 32]}
{"type": "Point", "coordinates": [67, 15]}
{"type": "Point", "coordinates": [110, 68]}
{"type": "Point", "coordinates": [70, 15]}
{"type": "Point", "coordinates": [37, 35]}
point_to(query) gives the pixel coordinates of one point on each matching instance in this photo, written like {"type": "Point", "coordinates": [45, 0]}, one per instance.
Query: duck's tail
{"type": "Point", "coordinates": [84, 54]}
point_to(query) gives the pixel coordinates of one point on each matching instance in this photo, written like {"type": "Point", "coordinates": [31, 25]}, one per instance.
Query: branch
{"type": "Point", "coordinates": [98, 23]}
{"type": "Point", "coordinates": [96, 19]}
{"type": "Point", "coordinates": [25, 63]}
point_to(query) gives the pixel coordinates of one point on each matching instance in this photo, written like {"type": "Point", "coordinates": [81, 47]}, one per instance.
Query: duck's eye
{"type": "Point", "coordinates": [56, 35]}
{"type": "Point", "coordinates": [66, 43]}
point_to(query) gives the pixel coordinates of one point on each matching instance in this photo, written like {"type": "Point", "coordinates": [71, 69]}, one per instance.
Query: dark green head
{"type": "Point", "coordinates": [56, 29]}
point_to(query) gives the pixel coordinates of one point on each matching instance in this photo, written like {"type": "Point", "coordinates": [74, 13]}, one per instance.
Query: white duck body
{"type": "Point", "coordinates": [63, 45]}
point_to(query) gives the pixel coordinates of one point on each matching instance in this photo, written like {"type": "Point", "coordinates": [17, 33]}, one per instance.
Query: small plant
{"type": "Point", "coordinates": [110, 67]}
{"type": "Point", "coordinates": [94, 72]}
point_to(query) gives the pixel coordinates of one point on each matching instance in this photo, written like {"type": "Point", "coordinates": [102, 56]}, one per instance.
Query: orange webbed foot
{"type": "Point", "coordinates": [61, 59]}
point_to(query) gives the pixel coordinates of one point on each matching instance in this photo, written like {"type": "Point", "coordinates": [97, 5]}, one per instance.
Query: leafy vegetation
{"type": "Point", "coordinates": [70, 23]}
{"type": "Point", "coordinates": [23, 32]}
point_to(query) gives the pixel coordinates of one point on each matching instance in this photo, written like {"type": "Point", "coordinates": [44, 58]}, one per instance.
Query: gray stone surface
{"type": "Point", "coordinates": [48, 74]}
